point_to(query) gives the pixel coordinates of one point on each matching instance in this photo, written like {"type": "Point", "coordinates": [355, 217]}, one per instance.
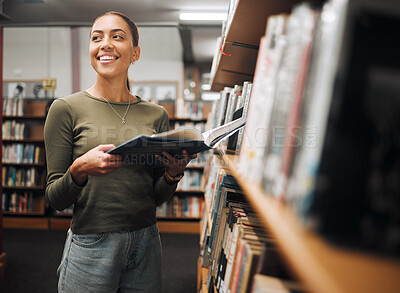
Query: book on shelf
{"type": "Point", "coordinates": [231, 105]}
{"type": "Point", "coordinates": [224, 180]}
{"type": "Point", "coordinates": [13, 130]}
{"type": "Point", "coordinates": [181, 206]}
{"type": "Point", "coordinates": [19, 153]}
{"type": "Point", "coordinates": [227, 197]}
{"type": "Point", "coordinates": [256, 133]}
{"type": "Point", "coordinates": [225, 94]}
{"type": "Point", "coordinates": [214, 164]}
{"type": "Point", "coordinates": [13, 106]}
{"type": "Point", "coordinates": [293, 130]}
{"type": "Point", "coordinates": [191, 181]}
{"type": "Point", "coordinates": [233, 139]}
{"type": "Point", "coordinates": [17, 202]}
{"type": "Point", "coordinates": [313, 117]}
{"type": "Point", "coordinates": [250, 258]}
{"type": "Point", "coordinates": [244, 105]}
{"type": "Point", "coordinates": [289, 88]}
{"type": "Point", "coordinates": [21, 176]}
{"type": "Point", "coordinates": [241, 227]}
{"type": "Point", "coordinates": [251, 241]}
{"type": "Point", "coordinates": [355, 194]}
{"type": "Point", "coordinates": [234, 97]}
{"type": "Point", "coordinates": [174, 141]}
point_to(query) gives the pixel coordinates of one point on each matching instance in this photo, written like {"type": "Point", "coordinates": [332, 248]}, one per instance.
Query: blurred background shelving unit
{"type": "Point", "coordinates": [23, 157]}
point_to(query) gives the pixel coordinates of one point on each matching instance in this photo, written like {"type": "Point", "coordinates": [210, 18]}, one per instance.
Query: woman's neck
{"type": "Point", "coordinates": [116, 92]}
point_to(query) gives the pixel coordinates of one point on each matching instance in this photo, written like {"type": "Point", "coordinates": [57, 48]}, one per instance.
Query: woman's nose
{"type": "Point", "coordinates": [106, 44]}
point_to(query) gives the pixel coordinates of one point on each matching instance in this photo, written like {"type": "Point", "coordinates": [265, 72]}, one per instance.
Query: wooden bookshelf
{"type": "Point", "coordinates": [26, 222]}
{"type": "Point", "coordinates": [240, 45]}
{"type": "Point", "coordinates": [321, 266]}
{"type": "Point", "coordinates": [25, 140]}
{"type": "Point", "coordinates": [59, 223]}
{"type": "Point", "coordinates": [40, 164]}
{"type": "Point", "coordinates": [169, 226]}
{"type": "Point", "coordinates": [32, 116]}
{"type": "Point", "coordinates": [25, 117]}
{"type": "Point", "coordinates": [187, 227]}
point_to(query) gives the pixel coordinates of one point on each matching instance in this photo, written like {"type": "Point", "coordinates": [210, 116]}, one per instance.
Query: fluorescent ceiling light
{"type": "Point", "coordinates": [202, 16]}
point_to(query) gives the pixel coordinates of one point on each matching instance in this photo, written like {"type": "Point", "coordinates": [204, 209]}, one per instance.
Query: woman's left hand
{"type": "Point", "coordinates": [173, 165]}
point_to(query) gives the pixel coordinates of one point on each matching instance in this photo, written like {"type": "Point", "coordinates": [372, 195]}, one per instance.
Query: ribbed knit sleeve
{"type": "Point", "coordinates": [61, 191]}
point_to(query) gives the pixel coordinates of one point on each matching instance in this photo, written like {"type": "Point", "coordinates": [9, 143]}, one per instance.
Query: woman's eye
{"type": "Point", "coordinates": [95, 38]}
{"type": "Point", "coordinates": [118, 37]}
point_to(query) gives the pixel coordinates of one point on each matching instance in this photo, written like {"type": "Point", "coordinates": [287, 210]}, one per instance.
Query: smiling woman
{"type": "Point", "coordinates": [113, 243]}
{"type": "Point", "coordinates": [113, 38]}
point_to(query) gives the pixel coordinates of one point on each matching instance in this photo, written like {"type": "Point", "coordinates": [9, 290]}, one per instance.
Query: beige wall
{"type": "Point", "coordinates": [42, 52]}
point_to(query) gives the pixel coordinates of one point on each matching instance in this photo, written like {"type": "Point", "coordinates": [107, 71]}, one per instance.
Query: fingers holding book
{"type": "Point", "coordinates": [175, 165]}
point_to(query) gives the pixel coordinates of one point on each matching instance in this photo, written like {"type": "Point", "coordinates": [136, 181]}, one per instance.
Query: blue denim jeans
{"type": "Point", "coordinates": [112, 262]}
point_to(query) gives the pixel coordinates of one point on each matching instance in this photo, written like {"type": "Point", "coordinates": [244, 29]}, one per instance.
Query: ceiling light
{"type": "Point", "coordinates": [202, 16]}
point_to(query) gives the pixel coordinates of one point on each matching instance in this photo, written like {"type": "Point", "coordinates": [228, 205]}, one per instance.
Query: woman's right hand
{"type": "Point", "coordinates": [95, 162]}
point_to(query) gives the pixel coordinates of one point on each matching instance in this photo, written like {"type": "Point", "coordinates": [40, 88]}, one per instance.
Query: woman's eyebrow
{"type": "Point", "coordinates": [113, 30]}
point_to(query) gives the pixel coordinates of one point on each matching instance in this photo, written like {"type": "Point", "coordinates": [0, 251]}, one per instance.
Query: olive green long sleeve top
{"type": "Point", "coordinates": [123, 200]}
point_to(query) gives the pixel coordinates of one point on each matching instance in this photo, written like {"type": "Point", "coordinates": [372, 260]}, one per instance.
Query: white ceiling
{"type": "Point", "coordinates": [202, 36]}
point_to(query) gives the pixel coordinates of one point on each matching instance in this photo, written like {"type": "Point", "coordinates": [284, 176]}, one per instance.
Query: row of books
{"type": "Point", "coordinates": [23, 153]}
{"type": "Point", "coordinates": [314, 89]}
{"type": "Point", "coordinates": [236, 246]}
{"type": "Point", "coordinates": [275, 130]}
{"type": "Point", "coordinates": [191, 181]}
{"type": "Point", "coordinates": [187, 206]}
{"type": "Point", "coordinates": [21, 176]}
{"type": "Point", "coordinates": [232, 104]}
{"type": "Point", "coordinates": [17, 202]}
{"type": "Point", "coordinates": [13, 106]}
{"type": "Point", "coordinates": [195, 109]}
{"type": "Point", "coordinates": [13, 129]}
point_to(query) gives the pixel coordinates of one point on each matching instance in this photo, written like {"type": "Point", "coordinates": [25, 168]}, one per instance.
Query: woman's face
{"type": "Point", "coordinates": [111, 46]}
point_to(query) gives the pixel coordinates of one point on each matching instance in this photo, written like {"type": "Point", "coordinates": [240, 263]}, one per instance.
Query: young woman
{"type": "Point", "coordinates": [113, 244]}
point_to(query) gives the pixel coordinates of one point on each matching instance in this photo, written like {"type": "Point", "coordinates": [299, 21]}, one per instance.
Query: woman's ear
{"type": "Point", "coordinates": [136, 54]}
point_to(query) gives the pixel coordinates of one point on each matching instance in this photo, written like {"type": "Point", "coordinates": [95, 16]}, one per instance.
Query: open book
{"type": "Point", "coordinates": [174, 141]}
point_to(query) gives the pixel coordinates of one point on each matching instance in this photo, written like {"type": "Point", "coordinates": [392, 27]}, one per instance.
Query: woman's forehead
{"type": "Point", "coordinates": [110, 22]}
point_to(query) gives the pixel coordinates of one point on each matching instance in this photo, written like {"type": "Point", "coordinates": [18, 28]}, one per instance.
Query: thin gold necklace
{"type": "Point", "coordinates": [127, 108]}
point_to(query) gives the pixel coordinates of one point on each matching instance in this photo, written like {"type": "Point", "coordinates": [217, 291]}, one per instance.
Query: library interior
{"type": "Point", "coordinates": [301, 195]}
